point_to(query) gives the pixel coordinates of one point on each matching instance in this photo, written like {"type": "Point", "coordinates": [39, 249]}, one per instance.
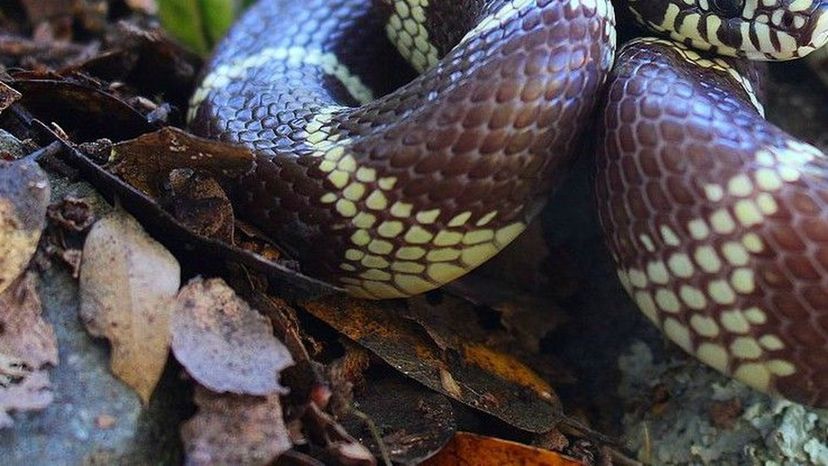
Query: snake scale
{"type": "Point", "coordinates": [401, 143]}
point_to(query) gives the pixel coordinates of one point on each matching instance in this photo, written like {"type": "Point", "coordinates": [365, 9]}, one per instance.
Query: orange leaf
{"type": "Point", "coordinates": [470, 449]}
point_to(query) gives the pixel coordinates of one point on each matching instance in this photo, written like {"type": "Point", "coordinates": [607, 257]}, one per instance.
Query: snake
{"type": "Point", "coordinates": [716, 218]}
{"type": "Point", "coordinates": [399, 144]}
{"type": "Point", "coordinates": [393, 183]}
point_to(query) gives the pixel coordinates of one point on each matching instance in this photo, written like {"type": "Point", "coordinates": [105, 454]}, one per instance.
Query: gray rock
{"type": "Point", "coordinates": [94, 419]}
{"type": "Point", "coordinates": [766, 431]}
{"type": "Point", "coordinates": [10, 144]}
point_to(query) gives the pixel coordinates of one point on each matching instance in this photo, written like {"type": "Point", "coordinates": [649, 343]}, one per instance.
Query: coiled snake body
{"type": "Point", "coordinates": [390, 188]}
{"type": "Point", "coordinates": [395, 195]}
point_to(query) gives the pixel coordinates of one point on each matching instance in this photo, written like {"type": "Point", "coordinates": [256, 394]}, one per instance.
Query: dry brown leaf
{"type": "Point", "coordinates": [72, 214]}
{"type": "Point", "coordinates": [235, 429]}
{"type": "Point", "coordinates": [29, 392]}
{"type": "Point", "coordinates": [150, 157]}
{"type": "Point", "coordinates": [470, 449]}
{"type": "Point", "coordinates": [8, 96]}
{"type": "Point", "coordinates": [225, 344]}
{"type": "Point", "coordinates": [413, 423]}
{"type": "Point", "coordinates": [128, 284]}
{"type": "Point", "coordinates": [459, 366]}
{"type": "Point", "coordinates": [200, 203]}
{"type": "Point", "coordinates": [24, 197]}
{"type": "Point", "coordinates": [27, 346]}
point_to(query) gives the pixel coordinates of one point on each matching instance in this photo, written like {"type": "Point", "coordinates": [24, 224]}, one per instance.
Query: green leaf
{"type": "Point", "coordinates": [199, 24]}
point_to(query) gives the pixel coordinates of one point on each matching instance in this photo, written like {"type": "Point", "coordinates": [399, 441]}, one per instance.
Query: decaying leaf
{"type": "Point", "coordinates": [7, 96]}
{"type": "Point", "coordinates": [81, 106]}
{"type": "Point", "coordinates": [340, 447]}
{"type": "Point", "coordinates": [30, 391]}
{"type": "Point", "coordinates": [145, 58]}
{"type": "Point", "coordinates": [23, 332]}
{"type": "Point", "coordinates": [146, 159]}
{"type": "Point", "coordinates": [27, 346]}
{"type": "Point", "coordinates": [457, 366]}
{"type": "Point", "coordinates": [128, 284]}
{"type": "Point", "coordinates": [200, 203]}
{"type": "Point", "coordinates": [502, 341]}
{"type": "Point", "coordinates": [72, 214]}
{"type": "Point", "coordinates": [412, 423]}
{"type": "Point", "coordinates": [470, 449]}
{"type": "Point", "coordinates": [235, 429]}
{"type": "Point", "coordinates": [24, 197]}
{"type": "Point", "coordinates": [223, 343]}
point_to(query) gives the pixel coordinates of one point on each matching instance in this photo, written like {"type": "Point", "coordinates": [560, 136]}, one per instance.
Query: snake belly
{"type": "Point", "coordinates": [391, 191]}
{"type": "Point", "coordinates": [716, 218]}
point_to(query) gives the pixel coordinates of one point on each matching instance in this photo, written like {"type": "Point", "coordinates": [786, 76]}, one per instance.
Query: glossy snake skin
{"type": "Point", "coordinates": [755, 29]}
{"type": "Point", "coordinates": [717, 219]}
{"type": "Point", "coordinates": [393, 195]}
{"type": "Point", "coordinates": [401, 143]}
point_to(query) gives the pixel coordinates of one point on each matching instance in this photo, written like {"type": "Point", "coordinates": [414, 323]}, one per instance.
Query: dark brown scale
{"type": "Point", "coordinates": [645, 183]}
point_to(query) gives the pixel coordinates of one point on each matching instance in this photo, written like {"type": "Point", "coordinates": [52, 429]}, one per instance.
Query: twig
{"type": "Point", "coordinates": [44, 152]}
{"type": "Point", "coordinates": [375, 433]}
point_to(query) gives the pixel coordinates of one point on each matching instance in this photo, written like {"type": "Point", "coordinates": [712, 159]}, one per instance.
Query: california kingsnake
{"type": "Point", "coordinates": [390, 185]}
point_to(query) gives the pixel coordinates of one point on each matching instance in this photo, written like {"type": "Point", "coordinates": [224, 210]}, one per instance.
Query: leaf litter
{"type": "Point", "coordinates": [27, 347]}
{"type": "Point", "coordinates": [223, 343]}
{"type": "Point", "coordinates": [235, 429]}
{"type": "Point", "coordinates": [128, 284]}
{"type": "Point", "coordinates": [24, 198]}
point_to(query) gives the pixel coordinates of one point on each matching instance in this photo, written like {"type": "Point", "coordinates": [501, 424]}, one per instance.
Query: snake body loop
{"type": "Point", "coordinates": [754, 29]}
{"type": "Point", "coordinates": [392, 192]}
{"type": "Point", "coordinates": [716, 218]}
{"type": "Point", "coordinates": [390, 185]}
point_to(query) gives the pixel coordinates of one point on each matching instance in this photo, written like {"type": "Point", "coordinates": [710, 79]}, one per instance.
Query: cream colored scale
{"type": "Point", "coordinates": [652, 288]}
{"type": "Point", "coordinates": [764, 28]}
{"type": "Point", "coordinates": [429, 256]}
{"type": "Point", "coordinates": [294, 56]}
{"type": "Point", "coordinates": [406, 29]}
{"type": "Point", "coordinates": [407, 254]}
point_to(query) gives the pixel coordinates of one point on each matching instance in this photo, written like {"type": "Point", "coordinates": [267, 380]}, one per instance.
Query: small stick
{"type": "Point", "coordinates": [372, 427]}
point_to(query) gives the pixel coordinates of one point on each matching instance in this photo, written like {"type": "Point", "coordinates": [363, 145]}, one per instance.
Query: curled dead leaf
{"type": "Point", "coordinates": [128, 284]}
{"type": "Point", "coordinates": [79, 105]}
{"type": "Point", "coordinates": [223, 343]}
{"type": "Point", "coordinates": [467, 449]}
{"type": "Point", "coordinates": [235, 429]}
{"type": "Point", "coordinates": [24, 197]}
{"type": "Point", "coordinates": [72, 214]}
{"type": "Point", "coordinates": [27, 346]}
{"type": "Point", "coordinates": [200, 203]}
